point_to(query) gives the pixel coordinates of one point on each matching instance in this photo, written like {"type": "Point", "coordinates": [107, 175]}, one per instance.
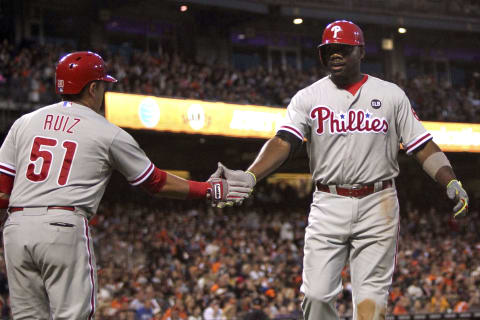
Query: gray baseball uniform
{"type": "Point", "coordinates": [62, 157]}
{"type": "Point", "coordinates": [353, 142]}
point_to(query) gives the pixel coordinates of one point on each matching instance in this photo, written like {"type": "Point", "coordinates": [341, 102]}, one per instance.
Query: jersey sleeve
{"type": "Point", "coordinates": [296, 119]}
{"type": "Point", "coordinates": [128, 158]}
{"type": "Point", "coordinates": [7, 152]}
{"type": "Point", "coordinates": [411, 131]}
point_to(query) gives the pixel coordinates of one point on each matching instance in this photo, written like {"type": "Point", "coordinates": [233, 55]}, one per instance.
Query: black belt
{"type": "Point", "coordinates": [359, 191]}
{"type": "Point", "coordinates": [68, 208]}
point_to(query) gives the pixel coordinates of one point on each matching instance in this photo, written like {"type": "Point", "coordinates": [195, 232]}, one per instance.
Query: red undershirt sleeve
{"type": "Point", "coordinates": [6, 186]}
{"type": "Point", "coordinates": [156, 181]}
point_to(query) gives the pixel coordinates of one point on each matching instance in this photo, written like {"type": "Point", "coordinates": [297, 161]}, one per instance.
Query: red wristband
{"type": "Point", "coordinates": [198, 190]}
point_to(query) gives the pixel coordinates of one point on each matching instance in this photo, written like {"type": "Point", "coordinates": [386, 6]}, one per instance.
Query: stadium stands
{"type": "Point", "coordinates": [26, 82]}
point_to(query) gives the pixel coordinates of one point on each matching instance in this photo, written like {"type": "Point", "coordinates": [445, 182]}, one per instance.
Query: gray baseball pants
{"type": "Point", "coordinates": [50, 264]}
{"type": "Point", "coordinates": [362, 230]}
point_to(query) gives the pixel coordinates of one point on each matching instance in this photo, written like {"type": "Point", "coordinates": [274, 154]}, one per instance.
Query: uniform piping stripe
{"type": "Point", "coordinates": [395, 257]}
{"type": "Point", "coordinates": [143, 176]}
{"type": "Point", "coordinates": [7, 169]}
{"type": "Point", "coordinates": [292, 130]}
{"type": "Point", "coordinates": [92, 280]}
{"type": "Point", "coordinates": [396, 247]}
{"type": "Point", "coordinates": [418, 142]}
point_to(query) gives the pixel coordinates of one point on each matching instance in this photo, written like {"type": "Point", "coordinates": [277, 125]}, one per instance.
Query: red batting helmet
{"type": "Point", "coordinates": [77, 69]}
{"type": "Point", "coordinates": [344, 32]}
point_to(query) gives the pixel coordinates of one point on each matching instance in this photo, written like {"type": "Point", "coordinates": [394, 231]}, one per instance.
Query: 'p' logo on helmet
{"type": "Point", "coordinates": [336, 29]}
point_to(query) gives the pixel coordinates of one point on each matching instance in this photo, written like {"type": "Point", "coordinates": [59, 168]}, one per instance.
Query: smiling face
{"type": "Point", "coordinates": [343, 62]}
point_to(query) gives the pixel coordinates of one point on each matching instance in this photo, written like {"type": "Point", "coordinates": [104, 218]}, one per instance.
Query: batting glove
{"type": "Point", "coordinates": [240, 185]}
{"type": "Point", "coordinates": [218, 191]}
{"type": "Point", "coordinates": [245, 179]}
{"type": "Point", "coordinates": [456, 193]}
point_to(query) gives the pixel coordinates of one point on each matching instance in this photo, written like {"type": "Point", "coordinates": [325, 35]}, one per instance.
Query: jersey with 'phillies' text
{"type": "Point", "coordinates": [64, 155]}
{"type": "Point", "coordinates": [354, 139]}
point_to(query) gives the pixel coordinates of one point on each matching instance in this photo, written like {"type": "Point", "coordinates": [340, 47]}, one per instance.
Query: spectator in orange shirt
{"type": "Point", "coordinates": [402, 305]}
{"type": "Point", "coordinates": [461, 306]}
{"type": "Point", "coordinates": [395, 294]}
{"type": "Point", "coordinates": [175, 312]}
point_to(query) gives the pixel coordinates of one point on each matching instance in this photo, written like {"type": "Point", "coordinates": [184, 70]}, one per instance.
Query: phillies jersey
{"type": "Point", "coordinates": [354, 139]}
{"type": "Point", "coordinates": [64, 155]}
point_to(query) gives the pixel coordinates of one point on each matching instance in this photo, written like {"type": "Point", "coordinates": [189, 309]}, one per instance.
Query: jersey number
{"type": "Point", "coordinates": [40, 150]}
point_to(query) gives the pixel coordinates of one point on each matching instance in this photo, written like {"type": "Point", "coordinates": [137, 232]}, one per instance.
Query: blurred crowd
{"type": "Point", "coordinates": [27, 79]}
{"type": "Point", "coordinates": [160, 259]}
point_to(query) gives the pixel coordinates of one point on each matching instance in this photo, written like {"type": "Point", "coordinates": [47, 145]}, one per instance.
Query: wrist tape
{"type": "Point", "coordinates": [253, 175]}
{"type": "Point", "coordinates": [434, 162]}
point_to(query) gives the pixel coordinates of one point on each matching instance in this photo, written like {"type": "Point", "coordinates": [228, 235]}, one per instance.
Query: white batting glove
{"type": "Point", "coordinates": [456, 193]}
{"type": "Point", "coordinates": [239, 178]}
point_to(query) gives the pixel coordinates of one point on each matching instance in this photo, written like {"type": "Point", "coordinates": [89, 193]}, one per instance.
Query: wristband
{"type": "Point", "coordinates": [434, 162]}
{"type": "Point", "coordinates": [198, 190]}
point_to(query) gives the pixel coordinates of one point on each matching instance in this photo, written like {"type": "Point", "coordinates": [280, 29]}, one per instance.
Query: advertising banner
{"type": "Point", "coordinates": [243, 121]}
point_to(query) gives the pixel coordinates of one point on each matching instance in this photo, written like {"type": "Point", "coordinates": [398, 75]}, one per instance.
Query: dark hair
{"type": "Point", "coordinates": [77, 96]}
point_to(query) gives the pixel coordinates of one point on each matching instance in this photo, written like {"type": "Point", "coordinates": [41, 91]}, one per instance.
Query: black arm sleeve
{"type": "Point", "coordinates": [293, 140]}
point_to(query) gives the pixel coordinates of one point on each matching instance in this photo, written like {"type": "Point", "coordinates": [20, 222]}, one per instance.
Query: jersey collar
{"type": "Point", "coordinates": [354, 87]}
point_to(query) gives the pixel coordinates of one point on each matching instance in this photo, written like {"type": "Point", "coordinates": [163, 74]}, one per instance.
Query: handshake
{"type": "Point", "coordinates": [229, 187]}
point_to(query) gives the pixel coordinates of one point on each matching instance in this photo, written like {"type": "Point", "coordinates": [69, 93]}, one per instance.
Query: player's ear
{"type": "Point", "coordinates": [322, 56]}
{"type": "Point", "coordinates": [93, 88]}
{"type": "Point", "coordinates": [90, 88]}
{"type": "Point", "coordinates": [362, 52]}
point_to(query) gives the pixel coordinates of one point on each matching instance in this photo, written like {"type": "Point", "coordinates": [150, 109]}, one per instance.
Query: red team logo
{"type": "Point", "coordinates": [351, 121]}
{"type": "Point", "coordinates": [415, 114]}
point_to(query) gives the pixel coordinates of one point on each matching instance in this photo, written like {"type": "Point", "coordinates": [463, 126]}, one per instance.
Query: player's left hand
{"type": "Point", "coordinates": [456, 193]}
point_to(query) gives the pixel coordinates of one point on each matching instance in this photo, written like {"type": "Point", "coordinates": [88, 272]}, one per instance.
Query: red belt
{"type": "Point", "coordinates": [355, 192]}
{"type": "Point", "coordinates": [69, 208]}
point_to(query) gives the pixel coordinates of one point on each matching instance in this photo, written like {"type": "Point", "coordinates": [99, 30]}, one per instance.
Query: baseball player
{"type": "Point", "coordinates": [55, 164]}
{"type": "Point", "coordinates": [353, 124]}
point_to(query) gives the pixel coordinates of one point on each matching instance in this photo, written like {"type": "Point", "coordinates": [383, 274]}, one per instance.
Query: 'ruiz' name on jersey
{"type": "Point", "coordinates": [57, 122]}
{"type": "Point", "coordinates": [352, 121]}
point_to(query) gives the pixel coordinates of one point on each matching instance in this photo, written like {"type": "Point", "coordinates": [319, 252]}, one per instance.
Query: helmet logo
{"type": "Point", "coordinates": [336, 29]}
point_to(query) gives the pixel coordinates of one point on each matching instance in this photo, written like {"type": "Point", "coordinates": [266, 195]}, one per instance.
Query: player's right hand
{"type": "Point", "coordinates": [240, 185]}
{"type": "Point", "coordinates": [456, 193]}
